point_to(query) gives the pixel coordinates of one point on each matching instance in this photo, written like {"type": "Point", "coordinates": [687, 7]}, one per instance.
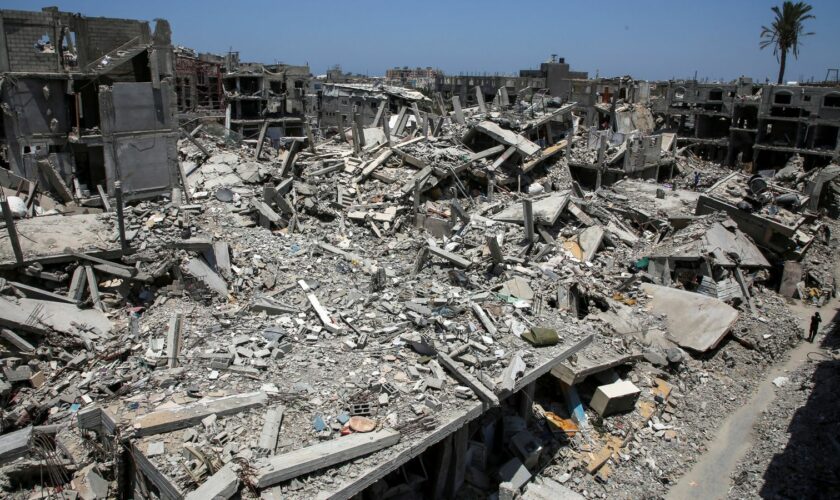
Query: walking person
{"type": "Point", "coordinates": [815, 326]}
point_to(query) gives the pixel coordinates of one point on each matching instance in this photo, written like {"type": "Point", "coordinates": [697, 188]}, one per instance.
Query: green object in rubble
{"type": "Point", "coordinates": [541, 336]}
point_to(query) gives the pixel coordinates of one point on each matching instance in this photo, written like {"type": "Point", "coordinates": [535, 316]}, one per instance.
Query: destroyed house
{"type": "Point", "coordinates": [553, 77]}
{"type": "Point", "coordinates": [339, 104]}
{"type": "Point", "coordinates": [764, 125]}
{"type": "Point", "coordinates": [198, 82]}
{"type": "Point", "coordinates": [765, 211]}
{"type": "Point", "coordinates": [87, 102]}
{"type": "Point", "coordinates": [803, 120]}
{"type": "Point", "coordinates": [266, 96]}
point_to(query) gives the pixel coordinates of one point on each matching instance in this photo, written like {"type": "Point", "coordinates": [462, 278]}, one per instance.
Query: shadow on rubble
{"type": "Point", "coordinates": [809, 466]}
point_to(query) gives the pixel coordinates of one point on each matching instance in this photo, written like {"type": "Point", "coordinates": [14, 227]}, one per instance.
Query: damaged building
{"type": "Point", "coordinates": [265, 100]}
{"type": "Point", "coordinates": [356, 290]}
{"type": "Point", "coordinates": [88, 102]}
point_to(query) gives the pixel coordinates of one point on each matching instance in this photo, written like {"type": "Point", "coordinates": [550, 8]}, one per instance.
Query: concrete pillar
{"type": "Point", "coordinates": [459, 113]}
{"type": "Point", "coordinates": [459, 461]}
{"type": "Point", "coordinates": [10, 227]}
{"type": "Point", "coordinates": [442, 472]}
{"type": "Point", "coordinates": [479, 96]}
{"type": "Point", "coordinates": [526, 401]}
{"type": "Point", "coordinates": [528, 216]}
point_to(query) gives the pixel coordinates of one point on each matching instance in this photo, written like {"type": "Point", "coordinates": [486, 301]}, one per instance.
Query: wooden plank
{"type": "Point", "coordinates": [186, 416]}
{"type": "Point", "coordinates": [544, 155]}
{"type": "Point", "coordinates": [322, 455]}
{"type": "Point", "coordinates": [322, 312]}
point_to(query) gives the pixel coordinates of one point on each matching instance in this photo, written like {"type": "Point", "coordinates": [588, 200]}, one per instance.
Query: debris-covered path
{"type": "Point", "coordinates": [710, 476]}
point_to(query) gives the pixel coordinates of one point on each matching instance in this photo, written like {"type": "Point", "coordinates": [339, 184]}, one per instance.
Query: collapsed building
{"type": "Point", "coordinates": [88, 102]}
{"type": "Point", "coordinates": [422, 300]}
{"type": "Point", "coordinates": [554, 77]}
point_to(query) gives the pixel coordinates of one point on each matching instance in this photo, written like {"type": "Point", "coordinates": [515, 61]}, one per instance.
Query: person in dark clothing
{"type": "Point", "coordinates": [815, 326]}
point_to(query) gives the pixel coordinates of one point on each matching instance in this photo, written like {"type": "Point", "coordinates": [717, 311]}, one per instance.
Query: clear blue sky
{"type": "Point", "coordinates": [651, 39]}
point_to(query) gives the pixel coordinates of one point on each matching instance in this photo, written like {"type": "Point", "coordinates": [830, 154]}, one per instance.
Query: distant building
{"type": "Point", "coordinates": [554, 77]}
{"type": "Point", "coordinates": [336, 102]}
{"type": "Point", "coordinates": [198, 82]}
{"type": "Point", "coordinates": [265, 93]}
{"type": "Point", "coordinates": [417, 78]}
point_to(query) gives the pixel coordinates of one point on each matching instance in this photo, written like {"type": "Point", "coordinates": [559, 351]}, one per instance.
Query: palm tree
{"type": "Point", "coordinates": [785, 32]}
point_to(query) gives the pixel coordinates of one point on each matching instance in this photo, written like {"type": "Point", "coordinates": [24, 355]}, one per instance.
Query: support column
{"type": "Point", "coordinates": [120, 218]}
{"type": "Point", "coordinates": [528, 217]}
{"type": "Point", "coordinates": [459, 113]}
{"type": "Point", "coordinates": [10, 227]}
{"type": "Point", "coordinates": [479, 96]}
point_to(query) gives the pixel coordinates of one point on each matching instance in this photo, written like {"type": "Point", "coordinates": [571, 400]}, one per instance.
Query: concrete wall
{"type": "Point", "coordinates": [20, 31]}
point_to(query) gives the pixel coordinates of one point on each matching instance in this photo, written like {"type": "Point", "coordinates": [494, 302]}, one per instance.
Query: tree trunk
{"type": "Point", "coordinates": [782, 62]}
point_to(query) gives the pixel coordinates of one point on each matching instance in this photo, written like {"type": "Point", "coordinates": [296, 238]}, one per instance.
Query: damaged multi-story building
{"type": "Point", "coordinates": [198, 82]}
{"type": "Point", "coordinates": [339, 104]}
{"type": "Point", "coordinates": [87, 102]}
{"type": "Point", "coordinates": [763, 125]}
{"type": "Point", "coordinates": [265, 99]}
{"type": "Point", "coordinates": [553, 77]}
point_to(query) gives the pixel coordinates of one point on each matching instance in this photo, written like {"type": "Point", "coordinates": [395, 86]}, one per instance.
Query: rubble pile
{"type": "Point", "coordinates": [440, 283]}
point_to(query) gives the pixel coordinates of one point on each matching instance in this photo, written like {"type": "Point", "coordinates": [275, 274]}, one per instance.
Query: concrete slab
{"type": "Point", "coordinates": [52, 235]}
{"type": "Point", "coordinates": [43, 316]}
{"type": "Point", "coordinates": [694, 321]}
{"type": "Point", "coordinates": [523, 145]}
{"type": "Point", "coordinates": [546, 210]}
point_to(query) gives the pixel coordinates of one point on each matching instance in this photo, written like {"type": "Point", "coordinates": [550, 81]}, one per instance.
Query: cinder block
{"type": "Point", "coordinates": [615, 398]}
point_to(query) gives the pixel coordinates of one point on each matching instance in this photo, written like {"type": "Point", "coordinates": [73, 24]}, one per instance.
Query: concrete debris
{"type": "Point", "coordinates": [710, 318]}
{"type": "Point", "coordinates": [281, 285]}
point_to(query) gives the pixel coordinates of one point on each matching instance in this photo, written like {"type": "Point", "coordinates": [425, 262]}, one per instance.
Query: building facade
{"type": "Point", "coordinates": [88, 101]}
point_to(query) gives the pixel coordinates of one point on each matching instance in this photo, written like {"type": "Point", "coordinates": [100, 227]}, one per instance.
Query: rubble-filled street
{"type": "Point", "coordinates": [222, 279]}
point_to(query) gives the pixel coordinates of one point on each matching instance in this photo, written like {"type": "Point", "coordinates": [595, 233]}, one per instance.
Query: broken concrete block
{"type": "Point", "coordinates": [617, 397]}
{"type": "Point", "coordinates": [513, 471]}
